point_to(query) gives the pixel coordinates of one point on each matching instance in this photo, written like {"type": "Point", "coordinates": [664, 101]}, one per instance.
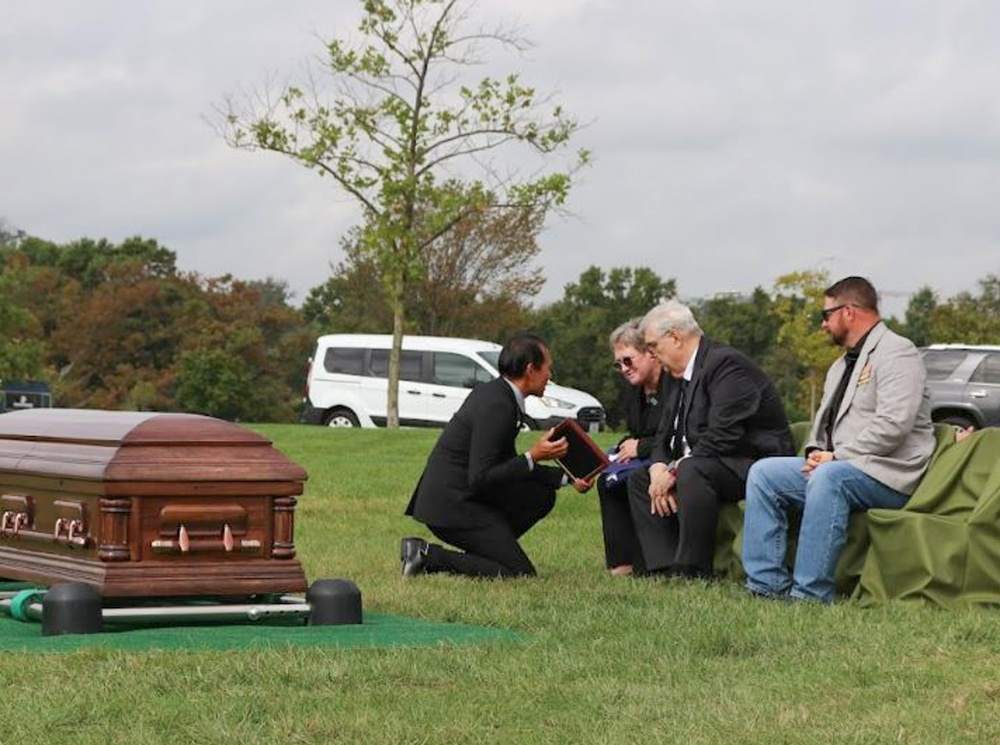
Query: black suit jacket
{"type": "Point", "coordinates": [642, 419]}
{"type": "Point", "coordinates": [474, 463]}
{"type": "Point", "coordinates": [732, 411]}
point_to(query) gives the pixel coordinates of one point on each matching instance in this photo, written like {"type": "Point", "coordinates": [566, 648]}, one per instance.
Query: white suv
{"type": "Point", "coordinates": [347, 383]}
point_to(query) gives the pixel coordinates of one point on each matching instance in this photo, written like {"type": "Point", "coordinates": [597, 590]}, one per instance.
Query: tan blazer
{"type": "Point", "coordinates": [884, 425]}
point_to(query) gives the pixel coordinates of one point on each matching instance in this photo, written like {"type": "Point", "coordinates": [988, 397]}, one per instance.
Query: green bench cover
{"type": "Point", "coordinates": [943, 547]}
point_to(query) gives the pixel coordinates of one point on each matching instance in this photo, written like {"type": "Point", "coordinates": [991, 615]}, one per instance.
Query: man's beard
{"type": "Point", "coordinates": [837, 338]}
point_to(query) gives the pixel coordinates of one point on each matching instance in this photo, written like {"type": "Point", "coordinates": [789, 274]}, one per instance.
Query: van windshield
{"type": "Point", "coordinates": [492, 359]}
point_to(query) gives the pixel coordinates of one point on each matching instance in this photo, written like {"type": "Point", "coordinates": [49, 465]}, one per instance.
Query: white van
{"type": "Point", "coordinates": [347, 383]}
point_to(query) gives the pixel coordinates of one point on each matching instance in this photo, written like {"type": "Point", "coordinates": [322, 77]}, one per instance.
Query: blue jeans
{"type": "Point", "coordinates": [826, 498]}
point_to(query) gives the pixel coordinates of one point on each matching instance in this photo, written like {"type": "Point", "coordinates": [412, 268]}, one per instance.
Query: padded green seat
{"type": "Point", "coordinates": [728, 560]}
{"type": "Point", "coordinates": [855, 556]}
{"type": "Point", "coordinates": [944, 546]}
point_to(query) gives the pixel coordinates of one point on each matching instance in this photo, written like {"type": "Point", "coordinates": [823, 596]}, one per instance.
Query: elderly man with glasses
{"type": "Point", "coordinates": [722, 413]}
{"type": "Point", "coordinates": [871, 441]}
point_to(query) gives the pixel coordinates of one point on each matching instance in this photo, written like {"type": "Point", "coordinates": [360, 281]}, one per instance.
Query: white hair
{"type": "Point", "coordinates": [671, 316]}
{"type": "Point", "coordinates": [628, 334]}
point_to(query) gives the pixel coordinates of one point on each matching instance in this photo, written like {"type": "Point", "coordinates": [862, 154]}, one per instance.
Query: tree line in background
{"type": "Point", "coordinates": [118, 326]}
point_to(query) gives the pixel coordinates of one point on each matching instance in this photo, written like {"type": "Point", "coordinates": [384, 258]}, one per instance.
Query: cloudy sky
{"type": "Point", "coordinates": [733, 141]}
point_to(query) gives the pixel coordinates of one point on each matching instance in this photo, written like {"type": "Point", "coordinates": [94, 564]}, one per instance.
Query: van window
{"type": "Point", "coordinates": [458, 371]}
{"type": "Point", "coordinates": [344, 360]}
{"type": "Point", "coordinates": [492, 358]}
{"type": "Point", "coordinates": [410, 364]}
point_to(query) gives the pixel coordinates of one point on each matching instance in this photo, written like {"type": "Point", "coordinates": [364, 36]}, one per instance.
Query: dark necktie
{"type": "Point", "coordinates": [677, 450]}
{"type": "Point", "coordinates": [850, 360]}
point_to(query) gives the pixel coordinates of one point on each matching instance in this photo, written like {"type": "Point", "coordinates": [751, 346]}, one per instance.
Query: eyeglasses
{"type": "Point", "coordinates": [652, 346]}
{"type": "Point", "coordinates": [828, 312]}
{"type": "Point", "coordinates": [623, 363]}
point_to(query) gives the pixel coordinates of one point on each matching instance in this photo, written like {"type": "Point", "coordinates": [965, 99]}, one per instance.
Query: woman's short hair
{"type": "Point", "coordinates": [670, 316]}
{"type": "Point", "coordinates": [628, 334]}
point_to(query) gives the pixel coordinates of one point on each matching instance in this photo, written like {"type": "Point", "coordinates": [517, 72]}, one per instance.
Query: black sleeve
{"type": "Point", "coordinates": [660, 446]}
{"type": "Point", "coordinates": [650, 421]}
{"type": "Point", "coordinates": [493, 430]}
{"type": "Point", "coordinates": [735, 398]}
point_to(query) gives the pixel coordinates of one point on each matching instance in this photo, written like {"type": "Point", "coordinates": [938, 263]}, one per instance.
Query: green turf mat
{"type": "Point", "coordinates": [378, 630]}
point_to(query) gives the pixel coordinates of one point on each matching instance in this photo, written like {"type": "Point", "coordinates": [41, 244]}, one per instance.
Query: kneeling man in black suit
{"type": "Point", "coordinates": [476, 492]}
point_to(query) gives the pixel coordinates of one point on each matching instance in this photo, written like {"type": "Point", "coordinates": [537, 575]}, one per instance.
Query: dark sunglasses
{"type": "Point", "coordinates": [623, 363]}
{"type": "Point", "coordinates": [828, 312]}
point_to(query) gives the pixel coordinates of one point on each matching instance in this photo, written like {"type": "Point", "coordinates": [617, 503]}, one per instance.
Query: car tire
{"type": "Point", "coordinates": [957, 420]}
{"type": "Point", "coordinates": [341, 417]}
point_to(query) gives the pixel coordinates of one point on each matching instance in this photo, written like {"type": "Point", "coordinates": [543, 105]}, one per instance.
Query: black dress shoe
{"type": "Point", "coordinates": [413, 554]}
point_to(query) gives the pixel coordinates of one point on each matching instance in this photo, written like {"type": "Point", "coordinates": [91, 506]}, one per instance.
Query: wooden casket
{"type": "Point", "coordinates": [142, 504]}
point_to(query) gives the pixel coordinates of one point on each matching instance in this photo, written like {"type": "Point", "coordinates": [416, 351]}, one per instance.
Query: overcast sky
{"type": "Point", "coordinates": [733, 141]}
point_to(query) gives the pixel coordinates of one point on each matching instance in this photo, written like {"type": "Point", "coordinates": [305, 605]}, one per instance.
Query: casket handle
{"type": "Point", "coordinates": [13, 522]}
{"type": "Point", "coordinates": [71, 533]}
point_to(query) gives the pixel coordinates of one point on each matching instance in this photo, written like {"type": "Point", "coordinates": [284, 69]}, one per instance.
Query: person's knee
{"type": "Point", "coordinates": [825, 484]}
{"type": "Point", "coordinates": [697, 470]}
{"type": "Point", "coordinates": [765, 476]}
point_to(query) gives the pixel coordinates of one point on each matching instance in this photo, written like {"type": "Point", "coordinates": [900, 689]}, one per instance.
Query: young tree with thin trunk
{"type": "Point", "coordinates": [400, 123]}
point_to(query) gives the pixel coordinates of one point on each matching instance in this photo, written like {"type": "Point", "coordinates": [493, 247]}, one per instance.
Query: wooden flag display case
{"type": "Point", "coordinates": [141, 504]}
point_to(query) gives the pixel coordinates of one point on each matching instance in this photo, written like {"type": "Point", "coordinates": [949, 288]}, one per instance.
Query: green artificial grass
{"type": "Point", "coordinates": [600, 659]}
{"type": "Point", "coordinates": [377, 630]}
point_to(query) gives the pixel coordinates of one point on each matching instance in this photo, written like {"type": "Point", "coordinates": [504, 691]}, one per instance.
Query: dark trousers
{"type": "Point", "coordinates": [620, 544]}
{"type": "Point", "coordinates": [492, 550]}
{"type": "Point", "coordinates": [684, 543]}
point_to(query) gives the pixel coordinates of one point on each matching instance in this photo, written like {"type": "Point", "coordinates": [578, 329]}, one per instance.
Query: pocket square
{"type": "Point", "coordinates": [866, 374]}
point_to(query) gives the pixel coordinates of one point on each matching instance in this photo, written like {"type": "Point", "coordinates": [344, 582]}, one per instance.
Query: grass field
{"type": "Point", "coordinates": [604, 660]}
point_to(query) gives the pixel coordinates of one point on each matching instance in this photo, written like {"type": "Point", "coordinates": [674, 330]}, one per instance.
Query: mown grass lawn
{"type": "Point", "coordinates": [603, 660]}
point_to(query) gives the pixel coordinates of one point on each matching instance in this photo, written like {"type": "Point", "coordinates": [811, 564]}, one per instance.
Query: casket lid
{"type": "Point", "coordinates": [137, 445]}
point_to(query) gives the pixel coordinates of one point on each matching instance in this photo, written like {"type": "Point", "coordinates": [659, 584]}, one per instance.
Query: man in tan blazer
{"type": "Point", "coordinates": [871, 441]}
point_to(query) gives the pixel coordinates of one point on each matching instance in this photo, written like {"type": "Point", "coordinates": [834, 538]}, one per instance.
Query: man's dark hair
{"type": "Point", "coordinates": [856, 290]}
{"type": "Point", "coordinates": [519, 350]}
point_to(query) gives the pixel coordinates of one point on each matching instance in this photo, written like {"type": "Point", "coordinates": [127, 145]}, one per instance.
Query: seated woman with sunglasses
{"type": "Point", "coordinates": [642, 404]}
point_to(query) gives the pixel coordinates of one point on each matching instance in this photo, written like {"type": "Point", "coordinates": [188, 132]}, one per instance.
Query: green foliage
{"type": "Point", "coordinates": [919, 318]}
{"type": "Point", "coordinates": [478, 279]}
{"type": "Point", "coordinates": [968, 318]}
{"type": "Point", "coordinates": [578, 326]}
{"type": "Point", "coordinates": [115, 326]}
{"type": "Point", "coordinates": [404, 116]}
{"type": "Point", "coordinates": [247, 359]}
{"type": "Point", "coordinates": [89, 262]}
{"type": "Point", "coordinates": [803, 347]}
{"type": "Point", "coordinates": [214, 382]}
{"type": "Point", "coordinates": [746, 323]}
{"type": "Point", "coordinates": [20, 349]}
